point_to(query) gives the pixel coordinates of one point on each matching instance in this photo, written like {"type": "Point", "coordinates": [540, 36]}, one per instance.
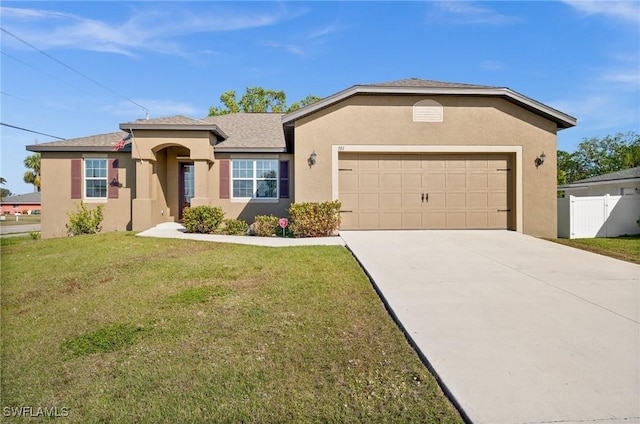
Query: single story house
{"type": "Point", "coordinates": [602, 206]}
{"type": "Point", "coordinates": [408, 154]}
{"type": "Point", "coordinates": [20, 203]}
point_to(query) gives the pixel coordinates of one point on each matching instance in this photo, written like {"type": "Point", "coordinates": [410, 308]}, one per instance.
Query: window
{"type": "Point", "coordinates": [95, 178]}
{"type": "Point", "coordinates": [254, 179]}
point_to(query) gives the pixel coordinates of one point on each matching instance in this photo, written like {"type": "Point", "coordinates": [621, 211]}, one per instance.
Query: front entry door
{"type": "Point", "coordinates": [186, 186]}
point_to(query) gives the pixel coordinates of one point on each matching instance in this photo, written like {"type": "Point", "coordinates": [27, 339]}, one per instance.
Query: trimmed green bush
{"type": "Point", "coordinates": [235, 227]}
{"type": "Point", "coordinates": [202, 219]}
{"type": "Point", "coordinates": [84, 220]}
{"type": "Point", "coordinates": [265, 225]}
{"type": "Point", "coordinates": [315, 219]}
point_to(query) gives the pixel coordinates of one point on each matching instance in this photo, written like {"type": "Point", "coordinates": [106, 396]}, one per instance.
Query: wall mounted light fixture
{"type": "Point", "coordinates": [312, 159]}
{"type": "Point", "coordinates": [540, 159]}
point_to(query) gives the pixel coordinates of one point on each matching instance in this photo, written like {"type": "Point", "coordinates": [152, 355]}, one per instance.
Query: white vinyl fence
{"type": "Point", "coordinates": [598, 216]}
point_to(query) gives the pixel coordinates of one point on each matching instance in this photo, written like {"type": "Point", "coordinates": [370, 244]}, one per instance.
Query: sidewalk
{"type": "Point", "coordinates": [176, 230]}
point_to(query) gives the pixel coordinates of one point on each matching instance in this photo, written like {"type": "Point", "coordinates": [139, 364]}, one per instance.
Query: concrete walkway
{"type": "Point", "coordinates": [176, 230]}
{"type": "Point", "coordinates": [518, 329]}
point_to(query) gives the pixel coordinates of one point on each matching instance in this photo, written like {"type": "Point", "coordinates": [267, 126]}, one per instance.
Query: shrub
{"type": "Point", "coordinates": [315, 219]}
{"type": "Point", "coordinates": [235, 227]}
{"type": "Point", "coordinates": [202, 219]}
{"type": "Point", "coordinates": [84, 220]}
{"type": "Point", "coordinates": [35, 235]}
{"type": "Point", "coordinates": [265, 225]}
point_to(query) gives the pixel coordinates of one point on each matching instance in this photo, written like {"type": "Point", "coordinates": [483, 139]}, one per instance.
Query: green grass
{"type": "Point", "coordinates": [626, 248]}
{"type": "Point", "coordinates": [22, 220]}
{"type": "Point", "coordinates": [124, 329]}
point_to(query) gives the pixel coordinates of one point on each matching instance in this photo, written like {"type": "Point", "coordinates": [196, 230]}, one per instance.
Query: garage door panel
{"type": "Point", "coordinates": [478, 200]}
{"type": "Point", "coordinates": [411, 200]}
{"type": "Point", "coordinates": [456, 180]}
{"type": "Point", "coordinates": [456, 220]}
{"type": "Point", "coordinates": [434, 180]}
{"type": "Point", "coordinates": [391, 201]}
{"type": "Point", "coordinates": [434, 220]}
{"type": "Point", "coordinates": [455, 200]}
{"type": "Point", "coordinates": [412, 180]}
{"type": "Point", "coordinates": [414, 191]}
{"type": "Point", "coordinates": [369, 201]}
{"type": "Point", "coordinates": [369, 220]}
{"type": "Point", "coordinates": [412, 220]}
{"type": "Point", "coordinates": [478, 180]}
{"type": "Point", "coordinates": [391, 220]}
{"type": "Point", "coordinates": [391, 181]}
{"type": "Point", "coordinates": [369, 181]}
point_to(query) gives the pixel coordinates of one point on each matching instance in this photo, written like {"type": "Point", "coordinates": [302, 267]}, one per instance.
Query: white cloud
{"type": "Point", "coordinates": [622, 10]}
{"type": "Point", "coordinates": [630, 78]}
{"type": "Point", "coordinates": [467, 12]}
{"type": "Point", "coordinates": [291, 48]}
{"type": "Point", "coordinates": [142, 30]}
{"type": "Point", "coordinates": [492, 65]}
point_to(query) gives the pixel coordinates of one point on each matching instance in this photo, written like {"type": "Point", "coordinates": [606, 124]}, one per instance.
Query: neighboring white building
{"type": "Point", "coordinates": [620, 183]}
{"type": "Point", "coordinates": [603, 206]}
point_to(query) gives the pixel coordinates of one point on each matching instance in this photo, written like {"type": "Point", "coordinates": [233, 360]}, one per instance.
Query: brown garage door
{"type": "Point", "coordinates": [424, 191]}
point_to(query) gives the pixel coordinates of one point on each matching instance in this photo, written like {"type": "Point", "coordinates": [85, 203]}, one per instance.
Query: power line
{"type": "Point", "coordinates": [31, 131]}
{"type": "Point", "coordinates": [45, 73]}
{"type": "Point", "coordinates": [72, 69]}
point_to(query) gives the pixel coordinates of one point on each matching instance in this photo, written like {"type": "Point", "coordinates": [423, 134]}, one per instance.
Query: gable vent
{"type": "Point", "coordinates": [428, 111]}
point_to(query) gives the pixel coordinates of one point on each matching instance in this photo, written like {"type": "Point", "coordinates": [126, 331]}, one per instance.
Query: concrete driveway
{"type": "Point", "coordinates": [519, 330]}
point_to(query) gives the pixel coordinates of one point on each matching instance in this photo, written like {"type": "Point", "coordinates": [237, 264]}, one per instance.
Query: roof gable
{"type": "Point", "coordinates": [415, 86]}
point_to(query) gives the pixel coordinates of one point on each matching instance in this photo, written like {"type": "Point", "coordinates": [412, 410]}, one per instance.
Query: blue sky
{"type": "Point", "coordinates": [580, 57]}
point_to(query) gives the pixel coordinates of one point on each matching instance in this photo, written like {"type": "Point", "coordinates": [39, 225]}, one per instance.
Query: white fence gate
{"type": "Point", "coordinates": [598, 216]}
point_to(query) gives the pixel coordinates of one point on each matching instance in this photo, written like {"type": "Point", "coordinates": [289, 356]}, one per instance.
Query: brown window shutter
{"type": "Point", "coordinates": [224, 179]}
{"type": "Point", "coordinates": [113, 184]}
{"type": "Point", "coordinates": [284, 179]}
{"type": "Point", "coordinates": [76, 178]}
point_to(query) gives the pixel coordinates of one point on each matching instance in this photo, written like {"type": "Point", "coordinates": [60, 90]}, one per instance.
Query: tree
{"type": "Point", "coordinates": [597, 156]}
{"type": "Point", "coordinates": [32, 162]}
{"type": "Point", "coordinates": [258, 99]}
{"type": "Point", "coordinates": [4, 192]}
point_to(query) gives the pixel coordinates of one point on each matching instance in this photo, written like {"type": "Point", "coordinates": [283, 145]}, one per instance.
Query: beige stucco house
{"type": "Point", "coordinates": [409, 154]}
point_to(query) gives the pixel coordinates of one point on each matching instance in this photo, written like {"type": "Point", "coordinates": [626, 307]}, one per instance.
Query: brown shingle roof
{"type": "Point", "coordinates": [100, 142]}
{"type": "Point", "coordinates": [168, 120]}
{"type": "Point", "coordinates": [416, 82]}
{"type": "Point", "coordinates": [250, 131]}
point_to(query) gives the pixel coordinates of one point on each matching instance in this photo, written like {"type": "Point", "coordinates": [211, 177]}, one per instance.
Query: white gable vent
{"type": "Point", "coordinates": [428, 111]}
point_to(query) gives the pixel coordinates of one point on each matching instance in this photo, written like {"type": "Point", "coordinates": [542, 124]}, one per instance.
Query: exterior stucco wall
{"type": "Point", "coordinates": [56, 193]}
{"type": "Point", "coordinates": [388, 120]}
{"type": "Point", "coordinates": [164, 151]}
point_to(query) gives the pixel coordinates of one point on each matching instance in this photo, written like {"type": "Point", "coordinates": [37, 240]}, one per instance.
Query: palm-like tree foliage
{"type": "Point", "coordinates": [32, 162]}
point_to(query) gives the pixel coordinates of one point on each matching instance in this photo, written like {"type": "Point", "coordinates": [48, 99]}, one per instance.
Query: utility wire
{"type": "Point", "coordinates": [72, 69]}
{"type": "Point", "coordinates": [31, 131]}
{"type": "Point", "coordinates": [45, 73]}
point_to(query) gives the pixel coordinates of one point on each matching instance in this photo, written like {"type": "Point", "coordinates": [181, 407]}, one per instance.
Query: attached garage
{"type": "Point", "coordinates": [425, 191]}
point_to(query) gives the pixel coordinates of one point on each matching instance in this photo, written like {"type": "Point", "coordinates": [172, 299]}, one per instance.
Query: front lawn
{"type": "Point", "coordinates": [626, 248]}
{"type": "Point", "coordinates": [117, 328]}
{"type": "Point", "coordinates": [10, 220]}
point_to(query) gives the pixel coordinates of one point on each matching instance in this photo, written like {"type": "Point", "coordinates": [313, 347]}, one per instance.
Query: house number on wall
{"type": "Point", "coordinates": [340, 148]}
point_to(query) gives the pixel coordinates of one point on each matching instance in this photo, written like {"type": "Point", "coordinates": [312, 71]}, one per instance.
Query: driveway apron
{"type": "Point", "coordinates": [518, 329]}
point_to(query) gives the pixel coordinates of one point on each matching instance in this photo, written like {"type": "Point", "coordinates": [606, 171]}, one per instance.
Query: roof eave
{"type": "Point", "coordinates": [561, 119]}
{"type": "Point", "coordinates": [40, 148]}
{"type": "Point", "coordinates": [174, 127]}
{"type": "Point", "coordinates": [250, 149]}
{"type": "Point", "coordinates": [595, 183]}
